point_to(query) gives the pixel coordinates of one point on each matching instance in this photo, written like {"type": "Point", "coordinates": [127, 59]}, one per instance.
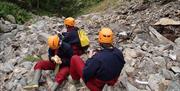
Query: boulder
{"type": "Point", "coordinates": [167, 21]}
{"type": "Point", "coordinates": [173, 86]}
{"type": "Point", "coordinates": [11, 18]}
{"type": "Point", "coordinates": [154, 81]}
{"type": "Point", "coordinates": [159, 61]}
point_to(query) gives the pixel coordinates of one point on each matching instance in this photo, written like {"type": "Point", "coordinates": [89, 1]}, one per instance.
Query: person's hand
{"type": "Point", "coordinates": [91, 53]}
{"type": "Point", "coordinates": [56, 59]}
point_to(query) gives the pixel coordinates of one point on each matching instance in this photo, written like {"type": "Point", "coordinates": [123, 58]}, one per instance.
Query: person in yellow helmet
{"type": "Point", "coordinates": [59, 53]}
{"type": "Point", "coordinates": [71, 36]}
{"type": "Point", "coordinates": [102, 67]}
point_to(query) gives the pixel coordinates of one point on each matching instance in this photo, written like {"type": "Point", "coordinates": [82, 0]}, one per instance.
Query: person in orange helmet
{"type": "Point", "coordinates": [72, 37]}
{"type": "Point", "coordinates": [102, 67]}
{"type": "Point", "coordinates": [59, 53]}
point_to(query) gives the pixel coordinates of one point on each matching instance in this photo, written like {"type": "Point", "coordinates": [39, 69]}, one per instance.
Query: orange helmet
{"type": "Point", "coordinates": [105, 36]}
{"type": "Point", "coordinates": [69, 21]}
{"type": "Point", "coordinates": [53, 42]}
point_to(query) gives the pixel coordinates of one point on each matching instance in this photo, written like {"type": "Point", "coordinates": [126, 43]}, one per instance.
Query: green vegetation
{"type": "Point", "coordinates": [105, 4]}
{"type": "Point", "coordinates": [20, 15]}
{"type": "Point", "coordinates": [54, 7]}
{"type": "Point", "coordinates": [32, 58]}
{"type": "Point", "coordinates": [20, 8]}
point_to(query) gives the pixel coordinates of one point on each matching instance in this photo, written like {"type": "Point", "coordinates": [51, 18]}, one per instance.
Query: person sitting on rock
{"type": "Point", "coordinates": [72, 37]}
{"type": "Point", "coordinates": [60, 53]}
{"type": "Point", "coordinates": [102, 67]}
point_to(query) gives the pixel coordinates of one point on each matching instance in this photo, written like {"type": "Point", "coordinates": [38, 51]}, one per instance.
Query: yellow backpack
{"type": "Point", "coordinates": [84, 40]}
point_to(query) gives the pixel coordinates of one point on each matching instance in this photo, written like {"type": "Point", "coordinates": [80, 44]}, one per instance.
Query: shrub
{"type": "Point", "coordinates": [20, 15]}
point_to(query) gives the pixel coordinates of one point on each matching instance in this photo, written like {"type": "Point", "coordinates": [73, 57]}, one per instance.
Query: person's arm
{"type": "Point", "coordinates": [68, 54]}
{"type": "Point", "coordinates": [51, 53]}
{"type": "Point", "coordinates": [90, 69]}
{"type": "Point", "coordinates": [66, 36]}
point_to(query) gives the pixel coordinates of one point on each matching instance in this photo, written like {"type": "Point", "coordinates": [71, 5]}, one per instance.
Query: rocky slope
{"type": "Point", "coordinates": [152, 61]}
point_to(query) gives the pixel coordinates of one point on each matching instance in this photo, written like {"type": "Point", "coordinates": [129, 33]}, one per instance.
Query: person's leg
{"type": "Point", "coordinates": [40, 65]}
{"type": "Point", "coordinates": [60, 77]}
{"type": "Point", "coordinates": [95, 84]}
{"type": "Point", "coordinates": [76, 67]}
{"type": "Point", "coordinates": [44, 65]}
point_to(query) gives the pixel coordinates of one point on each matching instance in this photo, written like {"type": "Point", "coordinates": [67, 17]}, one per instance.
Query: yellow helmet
{"type": "Point", "coordinates": [53, 42]}
{"type": "Point", "coordinates": [105, 36]}
{"type": "Point", "coordinates": [69, 21]}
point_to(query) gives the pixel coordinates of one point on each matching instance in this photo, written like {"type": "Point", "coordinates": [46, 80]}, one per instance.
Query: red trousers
{"type": "Point", "coordinates": [76, 71]}
{"type": "Point", "coordinates": [47, 65]}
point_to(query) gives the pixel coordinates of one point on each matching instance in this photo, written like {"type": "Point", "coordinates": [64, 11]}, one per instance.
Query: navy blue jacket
{"type": "Point", "coordinates": [105, 65]}
{"type": "Point", "coordinates": [65, 52]}
{"type": "Point", "coordinates": [71, 36]}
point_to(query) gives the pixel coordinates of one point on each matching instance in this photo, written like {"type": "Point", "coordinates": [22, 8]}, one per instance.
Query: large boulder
{"type": "Point", "coordinates": [11, 18]}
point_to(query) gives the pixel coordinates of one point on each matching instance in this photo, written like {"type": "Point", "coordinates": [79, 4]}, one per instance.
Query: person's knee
{"type": "Point", "coordinates": [60, 78]}
{"type": "Point", "coordinates": [38, 65]}
{"type": "Point", "coordinates": [75, 58]}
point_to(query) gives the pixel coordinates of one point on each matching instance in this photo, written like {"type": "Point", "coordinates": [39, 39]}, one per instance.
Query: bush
{"type": "Point", "coordinates": [32, 58]}
{"type": "Point", "coordinates": [20, 15]}
{"type": "Point", "coordinates": [59, 7]}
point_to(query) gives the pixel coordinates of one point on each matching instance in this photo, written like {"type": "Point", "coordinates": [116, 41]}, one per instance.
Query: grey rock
{"type": "Point", "coordinates": [7, 35]}
{"type": "Point", "coordinates": [154, 81]}
{"type": "Point", "coordinates": [147, 65]}
{"type": "Point", "coordinates": [9, 85]}
{"type": "Point", "coordinates": [177, 41]}
{"type": "Point", "coordinates": [40, 25]}
{"type": "Point", "coordinates": [130, 87]}
{"type": "Point", "coordinates": [131, 53]}
{"type": "Point", "coordinates": [20, 27]}
{"type": "Point", "coordinates": [174, 86]}
{"type": "Point", "coordinates": [176, 69]}
{"type": "Point", "coordinates": [168, 75]}
{"type": "Point", "coordinates": [129, 70]}
{"type": "Point", "coordinates": [43, 37]}
{"type": "Point", "coordinates": [12, 61]}
{"type": "Point", "coordinates": [159, 61]}
{"type": "Point", "coordinates": [19, 87]}
{"type": "Point", "coordinates": [7, 67]}
{"type": "Point", "coordinates": [7, 28]}
{"type": "Point", "coordinates": [11, 18]}
{"type": "Point", "coordinates": [178, 57]}
{"type": "Point", "coordinates": [23, 81]}
{"type": "Point", "coordinates": [18, 76]}
{"type": "Point", "coordinates": [27, 65]}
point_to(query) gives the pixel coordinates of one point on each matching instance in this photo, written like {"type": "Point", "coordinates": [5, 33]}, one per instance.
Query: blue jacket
{"type": "Point", "coordinates": [105, 65]}
{"type": "Point", "coordinates": [65, 52]}
{"type": "Point", "coordinates": [71, 36]}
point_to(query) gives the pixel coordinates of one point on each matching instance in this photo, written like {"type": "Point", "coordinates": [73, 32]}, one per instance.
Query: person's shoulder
{"type": "Point", "coordinates": [65, 44]}
{"type": "Point", "coordinates": [76, 28]}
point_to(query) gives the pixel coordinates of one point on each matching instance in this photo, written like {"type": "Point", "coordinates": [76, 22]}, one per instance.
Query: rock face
{"type": "Point", "coordinates": [150, 64]}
